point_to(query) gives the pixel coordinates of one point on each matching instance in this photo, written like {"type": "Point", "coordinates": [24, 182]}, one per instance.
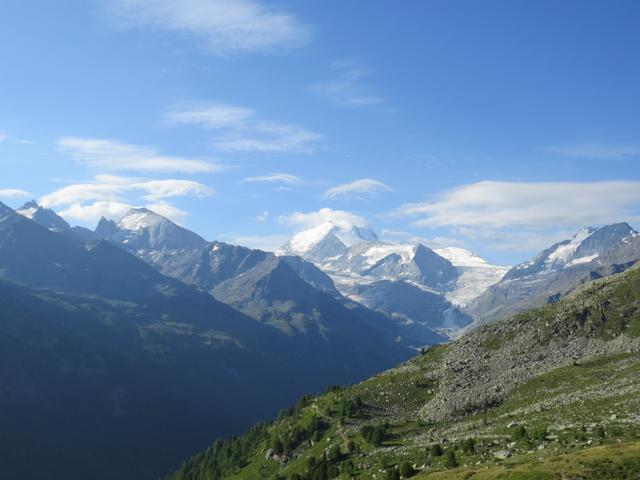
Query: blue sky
{"type": "Point", "coordinates": [500, 126]}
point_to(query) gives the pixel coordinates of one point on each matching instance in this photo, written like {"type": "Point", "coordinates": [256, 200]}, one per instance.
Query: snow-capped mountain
{"type": "Point", "coordinates": [554, 272]}
{"type": "Point", "coordinates": [475, 275]}
{"type": "Point", "coordinates": [142, 229]}
{"type": "Point", "coordinates": [408, 281]}
{"type": "Point", "coordinates": [353, 255]}
{"type": "Point", "coordinates": [584, 247]}
{"type": "Point", "coordinates": [328, 240]}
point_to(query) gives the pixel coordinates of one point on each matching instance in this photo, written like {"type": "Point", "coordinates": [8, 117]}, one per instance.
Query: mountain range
{"type": "Point", "coordinates": [122, 370]}
{"type": "Point", "coordinates": [410, 282]}
{"type": "Point", "coordinates": [163, 341]}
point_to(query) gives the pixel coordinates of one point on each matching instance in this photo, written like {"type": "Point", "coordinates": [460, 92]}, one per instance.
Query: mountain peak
{"type": "Point", "coordinates": [141, 218]}
{"type": "Point", "coordinates": [329, 232]}
{"type": "Point", "coordinates": [30, 204]}
{"type": "Point", "coordinates": [43, 216]}
{"type": "Point", "coordinates": [141, 228]}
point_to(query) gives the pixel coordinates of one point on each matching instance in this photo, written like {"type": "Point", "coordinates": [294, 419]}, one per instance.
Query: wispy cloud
{"type": "Point", "coordinates": [223, 27]}
{"type": "Point", "coordinates": [111, 196]}
{"type": "Point", "coordinates": [110, 187]}
{"type": "Point", "coordinates": [364, 187]}
{"type": "Point", "coordinates": [14, 193]}
{"type": "Point", "coordinates": [492, 211]}
{"type": "Point", "coordinates": [240, 129]}
{"type": "Point", "coordinates": [116, 156]}
{"type": "Point", "coordinates": [601, 151]}
{"type": "Point", "coordinates": [5, 137]}
{"type": "Point", "coordinates": [348, 86]}
{"type": "Point", "coordinates": [274, 178]}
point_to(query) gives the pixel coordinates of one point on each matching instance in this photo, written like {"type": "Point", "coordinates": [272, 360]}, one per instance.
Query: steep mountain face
{"type": "Point", "coordinates": [411, 304]}
{"type": "Point", "coordinates": [591, 253]}
{"type": "Point", "coordinates": [287, 293]}
{"type": "Point", "coordinates": [409, 282]}
{"type": "Point", "coordinates": [550, 393]}
{"type": "Point", "coordinates": [44, 216]}
{"type": "Point", "coordinates": [142, 229]}
{"type": "Point", "coordinates": [54, 222]}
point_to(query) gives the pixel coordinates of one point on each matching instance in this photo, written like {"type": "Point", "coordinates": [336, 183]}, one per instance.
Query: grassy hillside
{"type": "Point", "coordinates": [551, 393]}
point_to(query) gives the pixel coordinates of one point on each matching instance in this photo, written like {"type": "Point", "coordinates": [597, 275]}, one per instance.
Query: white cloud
{"type": "Point", "coordinates": [601, 151]}
{"type": "Point", "coordinates": [116, 156]}
{"type": "Point", "coordinates": [270, 138]}
{"type": "Point", "coordinates": [346, 88]}
{"type": "Point", "coordinates": [522, 216]}
{"type": "Point", "coordinates": [213, 116]}
{"type": "Point", "coordinates": [240, 129]}
{"type": "Point", "coordinates": [362, 187]}
{"type": "Point", "coordinates": [312, 219]}
{"type": "Point", "coordinates": [3, 136]}
{"type": "Point", "coordinates": [223, 26]}
{"type": "Point", "coordinates": [112, 188]}
{"type": "Point", "coordinates": [111, 196]}
{"type": "Point", "coordinates": [503, 204]}
{"type": "Point", "coordinates": [263, 217]}
{"type": "Point", "coordinates": [82, 192]}
{"type": "Point", "coordinates": [159, 189]}
{"type": "Point", "coordinates": [90, 213]}
{"type": "Point", "coordinates": [275, 178]}
{"type": "Point", "coordinates": [13, 193]}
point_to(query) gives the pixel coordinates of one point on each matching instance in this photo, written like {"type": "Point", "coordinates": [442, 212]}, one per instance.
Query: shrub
{"type": "Point", "coordinates": [406, 470]}
{"type": "Point", "coordinates": [518, 433]}
{"type": "Point", "coordinates": [468, 445]}
{"type": "Point", "coordinates": [436, 450]}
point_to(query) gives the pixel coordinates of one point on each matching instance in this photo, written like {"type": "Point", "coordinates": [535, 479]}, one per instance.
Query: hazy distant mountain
{"type": "Point", "coordinates": [288, 293]}
{"type": "Point", "coordinates": [590, 253]}
{"type": "Point", "coordinates": [97, 340]}
{"type": "Point", "coordinates": [54, 222]}
{"type": "Point", "coordinates": [116, 368]}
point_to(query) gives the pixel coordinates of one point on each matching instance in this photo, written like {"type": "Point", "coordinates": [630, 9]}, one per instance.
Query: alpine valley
{"type": "Point", "coordinates": [129, 347]}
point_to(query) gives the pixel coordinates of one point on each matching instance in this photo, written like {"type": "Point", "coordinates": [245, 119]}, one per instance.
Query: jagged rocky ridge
{"type": "Point", "coordinates": [283, 291]}
{"type": "Point", "coordinates": [591, 253]}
